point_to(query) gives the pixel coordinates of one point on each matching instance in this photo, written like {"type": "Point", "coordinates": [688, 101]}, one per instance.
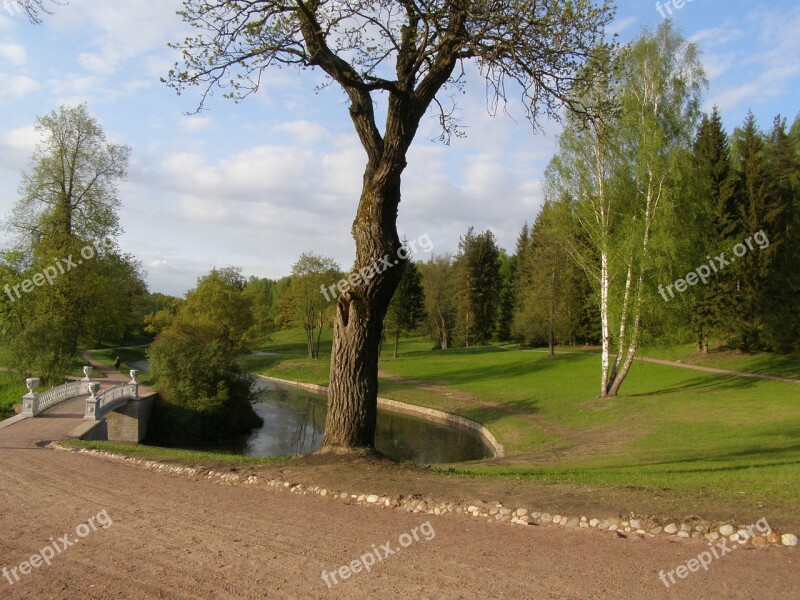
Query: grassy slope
{"type": "Point", "coordinates": [12, 389]}
{"type": "Point", "coordinates": [686, 431]}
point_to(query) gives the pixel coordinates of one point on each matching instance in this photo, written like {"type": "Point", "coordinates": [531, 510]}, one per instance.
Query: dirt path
{"type": "Point", "coordinates": [175, 537]}
{"type": "Point", "coordinates": [681, 365]}
{"type": "Point", "coordinates": [669, 363]}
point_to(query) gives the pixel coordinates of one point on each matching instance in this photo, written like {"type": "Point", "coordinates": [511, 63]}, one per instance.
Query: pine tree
{"type": "Point", "coordinates": [780, 301]}
{"type": "Point", "coordinates": [712, 219]}
{"type": "Point", "coordinates": [478, 287]}
{"type": "Point", "coordinates": [407, 308]}
{"type": "Point", "coordinates": [756, 211]}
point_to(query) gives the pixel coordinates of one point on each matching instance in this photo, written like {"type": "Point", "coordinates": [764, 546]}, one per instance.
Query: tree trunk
{"type": "Point", "coordinates": [360, 313]}
{"type": "Point", "coordinates": [551, 342]}
{"type": "Point", "coordinates": [319, 331]}
{"type": "Point", "coordinates": [309, 341]}
{"type": "Point", "coordinates": [604, 318]}
{"type": "Point", "coordinates": [396, 342]}
{"type": "Point", "coordinates": [442, 325]}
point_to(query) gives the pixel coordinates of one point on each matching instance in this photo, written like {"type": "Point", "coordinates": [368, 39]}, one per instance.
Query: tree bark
{"type": "Point", "coordinates": [551, 341]}
{"type": "Point", "coordinates": [358, 326]}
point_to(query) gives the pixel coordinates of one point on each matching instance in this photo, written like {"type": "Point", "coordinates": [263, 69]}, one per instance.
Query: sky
{"type": "Point", "coordinates": [256, 184]}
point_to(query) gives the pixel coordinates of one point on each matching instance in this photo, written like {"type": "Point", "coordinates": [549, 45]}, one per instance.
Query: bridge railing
{"type": "Point", "coordinates": [98, 406]}
{"type": "Point", "coordinates": [60, 393]}
{"type": "Point", "coordinates": [33, 403]}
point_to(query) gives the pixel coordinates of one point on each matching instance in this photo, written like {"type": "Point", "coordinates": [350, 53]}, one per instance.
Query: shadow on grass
{"type": "Point", "coordinates": [524, 367]}
{"type": "Point", "coordinates": [717, 382]}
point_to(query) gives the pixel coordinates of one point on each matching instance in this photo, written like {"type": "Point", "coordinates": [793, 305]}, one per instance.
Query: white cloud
{"type": "Point", "coordinates": [13, 53]}
{"type": "Point", "coordinates": [18, 86]}
{"type": "Point", "coordinates": [192, 123]}
{"type": "Point", "coordinates": [302, 132]}
{"type": "Point", "coordinates": [101, 64]}
{"type": "Point", "coordinates": [717, 36]}
{"type": "Point", "coordinates": [717, 65]}
{"type": "Point", "coordinates": [621, 25]}
{"type": "Point", "coordinates": [773, 62]}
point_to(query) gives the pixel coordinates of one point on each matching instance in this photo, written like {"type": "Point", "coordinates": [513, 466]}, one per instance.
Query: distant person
{"type": "Point", "coordinates": [117, 363]}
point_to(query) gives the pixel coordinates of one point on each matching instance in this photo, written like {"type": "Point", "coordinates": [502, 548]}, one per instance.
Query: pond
{"type": "Point", "coordinates": [294, 423]}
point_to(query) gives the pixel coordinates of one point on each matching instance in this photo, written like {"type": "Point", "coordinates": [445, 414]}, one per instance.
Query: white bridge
{"type": "Point", "coordinates": [98, 405]}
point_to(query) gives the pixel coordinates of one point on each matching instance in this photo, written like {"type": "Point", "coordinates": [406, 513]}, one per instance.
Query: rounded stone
{"type": "Point", "coordinates": [789, 539]}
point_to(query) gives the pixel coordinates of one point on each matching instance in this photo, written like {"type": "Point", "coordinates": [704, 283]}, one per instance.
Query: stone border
{"type": "Point", "coordinates": [493, 512]}
{"type": "Point", "coordinates": [430, 414]}
{"type": "Point", "coordinates": [11, 420]}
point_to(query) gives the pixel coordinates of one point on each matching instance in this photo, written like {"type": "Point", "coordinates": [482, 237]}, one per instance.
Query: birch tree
{"type": "Point", "coordinates": [624, 175]}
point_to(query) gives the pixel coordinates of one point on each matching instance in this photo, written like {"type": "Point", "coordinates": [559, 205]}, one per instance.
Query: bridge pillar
{"type": "Point", "coordinates": [91, 402]}
{"type": "Point", "coordinates": [30, 401]}
{"type": "Point", "coordinates": [128, 424]}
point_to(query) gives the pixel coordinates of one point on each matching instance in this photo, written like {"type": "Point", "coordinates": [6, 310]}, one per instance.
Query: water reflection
{"type": "Point", "coordinates": [294, 422]}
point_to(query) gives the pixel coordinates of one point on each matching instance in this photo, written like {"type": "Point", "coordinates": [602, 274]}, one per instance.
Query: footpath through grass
{"type": "Point", "coordinates": [672, 430]}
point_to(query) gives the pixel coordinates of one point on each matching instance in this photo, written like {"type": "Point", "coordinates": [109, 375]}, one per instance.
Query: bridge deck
{"type": "Point", "coordinates": [55, 423]}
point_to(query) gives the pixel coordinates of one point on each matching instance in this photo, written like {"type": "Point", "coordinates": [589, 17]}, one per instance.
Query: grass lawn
{"type": "Point", "coordinates": [12, 389]}
{"type": "Point", "coordinates": [672, 430]}
{"type": "Point", "coordinates": [173, 454]}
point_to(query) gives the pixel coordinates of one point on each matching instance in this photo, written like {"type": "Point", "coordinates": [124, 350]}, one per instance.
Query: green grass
{"type": "Point", "coordinates": [12, 389]}
{"type": "Point", "coordinates": [671, 428]}
{"type": "Point", "coordinates": [173, 454]}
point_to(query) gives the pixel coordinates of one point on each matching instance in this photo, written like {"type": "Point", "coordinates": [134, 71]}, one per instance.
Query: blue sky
{"type": "Point", "coordinates": [256, 184]}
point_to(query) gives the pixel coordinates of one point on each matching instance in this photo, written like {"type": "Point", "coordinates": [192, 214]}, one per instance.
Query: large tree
{"type": "Point", "coordinates": [64, 224]}
{"type": "Point", "coordinates": [408, 54]}
{"type": "Point", "coordinates": [70, 188]}
{"type": "Point", "coordinates": [205, 395]}
{"type": "Point", "coordinates": [306, 303]}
